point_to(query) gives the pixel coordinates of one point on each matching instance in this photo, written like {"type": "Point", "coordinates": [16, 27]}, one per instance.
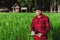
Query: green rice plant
{"type": "Point", "coordinates": [16, 26]}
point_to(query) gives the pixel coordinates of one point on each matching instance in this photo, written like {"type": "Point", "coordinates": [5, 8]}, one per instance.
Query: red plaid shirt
{"type": "Point", "coordinates": [41, 24]}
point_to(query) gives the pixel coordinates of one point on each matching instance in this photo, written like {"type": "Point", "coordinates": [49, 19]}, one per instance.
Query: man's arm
{"type": "Point", "coordinates": [47, 24]}
{"type": "Point", "coordinates": [32, 25]}
{"type": "Point", "coordinates": [32, 28]}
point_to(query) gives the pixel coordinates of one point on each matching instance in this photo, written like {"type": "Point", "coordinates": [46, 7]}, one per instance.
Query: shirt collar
{"type": "Point", "coordinates": [40, 16]}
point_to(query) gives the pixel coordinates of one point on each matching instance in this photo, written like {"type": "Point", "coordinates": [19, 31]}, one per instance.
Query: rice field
{"type": "Point", "coordinates": [16, 26]}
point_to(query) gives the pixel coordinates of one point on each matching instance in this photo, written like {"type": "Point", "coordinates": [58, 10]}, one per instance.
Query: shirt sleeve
{"type": "Point", "coordinates": [47, 24]}
{"type": "Point", "coordinates": [32, 26]}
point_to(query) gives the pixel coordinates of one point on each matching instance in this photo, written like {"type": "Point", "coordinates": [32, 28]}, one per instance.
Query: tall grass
{"type": "Point", "coordinates": [16, 26]}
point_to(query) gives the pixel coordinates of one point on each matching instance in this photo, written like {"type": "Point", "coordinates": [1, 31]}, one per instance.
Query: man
{"type": "Point", "coordinates": [40, 25]}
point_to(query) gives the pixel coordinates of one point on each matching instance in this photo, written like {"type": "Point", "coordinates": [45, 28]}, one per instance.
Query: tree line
{"type": "Point", "coordinates": [30, 4]}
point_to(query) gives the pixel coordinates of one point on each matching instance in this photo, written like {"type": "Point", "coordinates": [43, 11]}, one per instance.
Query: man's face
{"type": "Point", "coordinates": [38, 12]}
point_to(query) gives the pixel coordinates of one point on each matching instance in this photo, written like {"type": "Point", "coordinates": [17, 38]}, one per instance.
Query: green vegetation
{"type": "Point", "coordinates": [16, 26]}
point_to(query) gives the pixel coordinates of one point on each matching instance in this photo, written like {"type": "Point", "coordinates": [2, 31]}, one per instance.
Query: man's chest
{"type": "Point", "coordinates": [39, 21]}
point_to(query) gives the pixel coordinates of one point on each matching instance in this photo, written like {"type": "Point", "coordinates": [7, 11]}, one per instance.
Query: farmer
{"type": "Point", "coordinates": [40, 25]}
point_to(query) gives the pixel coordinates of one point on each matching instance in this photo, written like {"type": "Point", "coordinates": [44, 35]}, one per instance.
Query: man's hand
{"type": "Point", "coordinates": [39, 34]}
{"type": "Point", "coordinates": [32, 32]}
